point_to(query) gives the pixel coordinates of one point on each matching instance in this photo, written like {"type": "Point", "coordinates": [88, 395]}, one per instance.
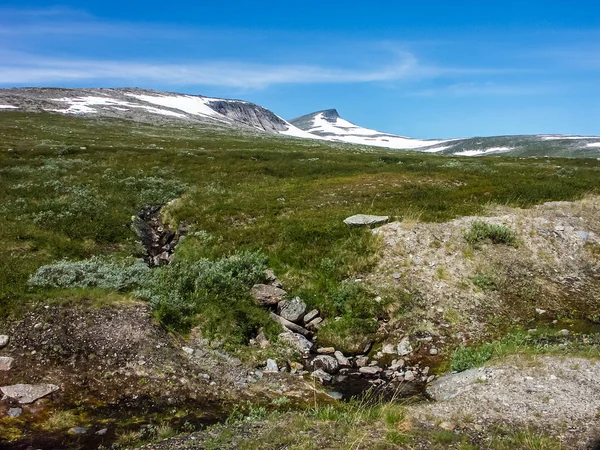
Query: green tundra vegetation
{"type": "Point", "coordinates": [69, 187]}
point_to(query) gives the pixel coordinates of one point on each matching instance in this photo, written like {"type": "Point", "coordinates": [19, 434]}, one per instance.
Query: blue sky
{"type": "Point", "coordinates": [424, 69]}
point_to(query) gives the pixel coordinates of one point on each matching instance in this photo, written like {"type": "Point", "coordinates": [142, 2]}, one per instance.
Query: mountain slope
{"type": "Point", "coordinates": [328, 124]}
{"type": "Point", "coordinates": [148, 106]}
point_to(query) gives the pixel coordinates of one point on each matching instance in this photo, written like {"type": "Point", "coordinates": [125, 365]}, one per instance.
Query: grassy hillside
{"type": "Point", "coordinates": [69, 186]}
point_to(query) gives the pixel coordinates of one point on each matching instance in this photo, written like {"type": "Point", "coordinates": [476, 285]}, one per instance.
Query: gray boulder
{"type": "Point", "coordinates": [28, 393]}
{"type": "Point", "coordinates": [362, 220]}
{"type": "Point", "coordinates": [4, 339]}
{"type": "Point", "coordinates": [267, 295]}
{"type": "Point", "coordinates": [297, 341]}
{"type": "Point", "coordinates": [292, 310]}
{"type": "Point", "coordinates": [326, 363]}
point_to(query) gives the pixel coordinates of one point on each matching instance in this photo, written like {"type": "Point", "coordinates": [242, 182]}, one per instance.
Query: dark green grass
{"type": "Point", "coordinates": [69, 186]}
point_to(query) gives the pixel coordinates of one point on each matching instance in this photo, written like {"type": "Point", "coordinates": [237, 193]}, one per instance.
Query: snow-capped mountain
{"type": "Point", "coordinates": [328, 124]}
{"type": "Point", "coordinates": [148, 106]}
{"type": "Point", "coordinates": [163, 107]}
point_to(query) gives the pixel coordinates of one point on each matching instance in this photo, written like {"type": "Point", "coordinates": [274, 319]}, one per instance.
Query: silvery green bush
{"type": "Point", "coordinates": [95, 272]}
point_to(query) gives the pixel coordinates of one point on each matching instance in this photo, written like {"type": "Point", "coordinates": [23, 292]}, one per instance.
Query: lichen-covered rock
{"type": "Point", "coordinates": [292, 310]}
{"type": "Point", "coordinates": [267, 295]}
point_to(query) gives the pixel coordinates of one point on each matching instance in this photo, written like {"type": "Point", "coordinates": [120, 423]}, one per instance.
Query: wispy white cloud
{"type": "Point", "coordinates": [473, 89]}
{"type": "Point", "coordinates": [29, 34]}
{"type": "Point", "coordinates": [32, 69]}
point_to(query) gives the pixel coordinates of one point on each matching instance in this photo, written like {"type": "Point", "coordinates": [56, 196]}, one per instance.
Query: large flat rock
{"type": "Point", "coordinates": [28, 393]}
{"type": "Point", "coordinates": [365, 220]}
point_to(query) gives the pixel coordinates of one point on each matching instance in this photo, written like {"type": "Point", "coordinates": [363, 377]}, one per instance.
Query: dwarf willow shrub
{"type": "Point", "coordinates": [213, 294]}
{"type": "Point", "coordinates": [95, 272]}
{"type": "Point", "coordinates": [497, 234]}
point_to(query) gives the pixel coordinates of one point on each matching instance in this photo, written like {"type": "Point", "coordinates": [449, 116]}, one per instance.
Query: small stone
{"type": "Point", "coordinates": [431, 378]}
{"type": "Point", "coordinates": [388, 349]}
{"type": "Point", "coordinates": [397, 364]}
{"type": "Point", "coordinates": [321, 375]}
{"type": "Point", "coordinates": [409, 376]}
{"type": "Point", "coordinates": [4, 340]}
{"type": "Point", "coordinates": [102, 432]}
{"type": "Point", "coordinates": [326, 350]}
{"type": "Point", "coordinates": [564, 332]}
{"type": "Point", "coordinates": [78, 430]}
{"type": "Point", "coordinates": [315, 324]}
{"type": "Point", "coordinates": [295, 366]}
{"type": "Point", "coordinates": [262, 340]}
{"type": "Point", "coordinates": [540, 311]}
{"type": "Point", "coordinates": [310, 315]}
{"type": "Point", "coordinates": [335, 395]}
{"type": "Point", "coordinates": [292, 310]}
{"type": "Point", "coordinates": [404, 347]}
{"type": "Point", "coordinates": [433, 351]}
{"type": "Point", "coordinates": [6, 362]}
{"type": "Point", "coordinates": [15, 412]}
{"type": "Point", "coordinates": [271, 366]}
{"type": "Point", "coordinates": [370, 370]}
{"type": "Point", "coordinates": [342, 360]}
{"type": "Point", "coordinates": [532, 331]}
{"type": "Point", "coordinates": [188, 350]}
{"type": "Point", "coordinates": [361, 361]}
{"type": "Point", "coordinates": [270, 275]}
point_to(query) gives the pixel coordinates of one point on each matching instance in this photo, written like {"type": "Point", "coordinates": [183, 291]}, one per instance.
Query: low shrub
{"type": "Point", "coordinates": [212, 294]}
{"type": "Point", "coordinates": [496, 234]}
{"type": "Point", "coordinates": [95, 272]}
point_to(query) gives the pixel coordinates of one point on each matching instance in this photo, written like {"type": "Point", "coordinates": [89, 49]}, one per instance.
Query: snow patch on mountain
{"type": "Point", "coordinates": [330, 125]}
{"type": "Point", "coordinates": [8, 107]}
{"type": "Point", "coordinates": [186, 103]}
{"type": "Point", "coordinates": [556, 137]}
{"type": "Point", "coordinates": [484, 151]}
{"type": "Point", "coordinates": [594, 145]}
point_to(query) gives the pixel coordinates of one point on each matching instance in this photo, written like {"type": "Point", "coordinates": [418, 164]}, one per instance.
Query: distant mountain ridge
{"type": "Point", "coordinates": [148, 106]}
{"type": "Point", "coordinates": [157, 107]}
{"type": "Point", "coordinates": [329, 125]}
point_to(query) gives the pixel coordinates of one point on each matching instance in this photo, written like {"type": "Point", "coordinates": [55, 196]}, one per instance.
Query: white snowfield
{"type": "Point", "coordinates": [8, 107]}
{"type": "Point", "coordinates": [556, 137]}
{"type": "Point", "coordinates": [173, 105]}
{"type": "Point", "coordinates": [594, 145]}
{"type": "Point", "coordinates": [344, 131]}
{"type": "Point", "coordinates": [484, 152]}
